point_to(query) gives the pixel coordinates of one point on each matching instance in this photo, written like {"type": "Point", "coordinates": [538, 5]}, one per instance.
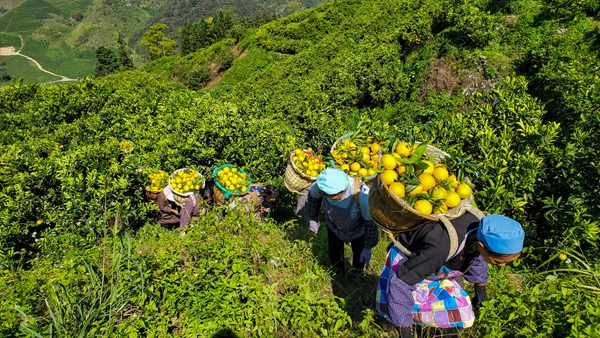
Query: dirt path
{"type": "Point", "coordinates": [216, 75]}
{"type": "Point", "coordinates": [10, 50]}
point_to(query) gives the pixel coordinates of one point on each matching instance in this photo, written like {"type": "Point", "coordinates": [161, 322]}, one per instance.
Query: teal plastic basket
{"type": "Point", "coordinates": [227, 193]}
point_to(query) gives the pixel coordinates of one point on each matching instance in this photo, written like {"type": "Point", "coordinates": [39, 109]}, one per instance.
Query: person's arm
{"type": "Point", "coordinates": [187, 211]}
{"type": "Point", "coordinates": [477, 274]}
{"type": "Point", "coordinates": [164, 205]}
{"type": "Point", "coordinates": [313, 203]}
{"type": "Point", "coordinates": [400, 303]}
{"type": "Point", "coordinates": [371, 230]}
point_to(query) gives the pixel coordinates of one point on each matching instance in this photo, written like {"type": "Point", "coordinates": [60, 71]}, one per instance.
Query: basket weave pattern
{"type": "Point", "coordinates": [294, 179]}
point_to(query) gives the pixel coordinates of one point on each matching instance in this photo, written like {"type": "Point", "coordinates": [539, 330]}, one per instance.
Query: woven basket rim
{"type": "Point", "coordinates": [288, 169]}
{"type": "Point", "coordinates": [450, 215]}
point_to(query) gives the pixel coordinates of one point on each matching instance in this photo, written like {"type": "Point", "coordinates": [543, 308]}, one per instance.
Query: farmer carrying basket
{"type": "Point", "coordinates": [421, 281]}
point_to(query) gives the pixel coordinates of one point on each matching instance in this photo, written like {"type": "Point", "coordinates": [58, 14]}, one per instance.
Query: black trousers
{"type": "Point", "coordinates": [336, 251]}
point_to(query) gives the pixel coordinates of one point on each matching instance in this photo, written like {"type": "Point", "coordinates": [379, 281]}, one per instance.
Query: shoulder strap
{"type": "Point", "coordinates": [473, 209]}
{"type": "Point", "coordinates": [452, 234]}
{"type": "Point", "coordinates": [356, 191]}
{"type": "Point", "coordinates": [449, 227]}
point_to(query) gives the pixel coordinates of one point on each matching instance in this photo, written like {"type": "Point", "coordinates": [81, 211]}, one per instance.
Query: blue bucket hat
{"type": "Point", "coordinates": [332, 181]}
{"type": "Point", "coordinates": [501, 234]}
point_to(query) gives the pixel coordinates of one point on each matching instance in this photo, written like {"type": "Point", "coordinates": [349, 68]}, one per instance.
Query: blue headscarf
{"type": "Point", "coordinates": [501, 234]}
{"type": "Point", "coordinates": [332, 181]}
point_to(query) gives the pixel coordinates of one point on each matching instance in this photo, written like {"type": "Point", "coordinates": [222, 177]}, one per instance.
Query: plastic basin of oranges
{"type": "Point", "coordinates": [233, 179]}
{"type": "Point", "coordinates": [307, 162]}
{"type": "Point", "coordinates": [428, 186]}
{"type": "Point", "coordinates": [186, 181]}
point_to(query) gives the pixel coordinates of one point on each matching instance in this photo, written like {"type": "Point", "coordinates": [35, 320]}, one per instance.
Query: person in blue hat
{"type": "Point", "coordinates": [493, 239]}
{"type": "Point", "coordinates": [344, 201]}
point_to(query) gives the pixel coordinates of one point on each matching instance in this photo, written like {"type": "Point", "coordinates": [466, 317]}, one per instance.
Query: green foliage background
{"type": "Point", "coordinates": [513, 85]}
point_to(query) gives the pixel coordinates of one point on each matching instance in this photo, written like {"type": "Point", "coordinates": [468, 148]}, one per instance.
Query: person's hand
{"type": "Point", "coordinates": [313, 226]}
{"type": "Point", "coordinates": [365, 257]}
{"type": "Point", "coordinates": [405, 332]}
{"type": "Point", "coordinates": [480, 296]}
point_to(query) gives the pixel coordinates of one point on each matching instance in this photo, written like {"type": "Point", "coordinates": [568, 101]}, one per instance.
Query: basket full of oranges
{"type": "Point", "coordinates": [157, 181]}
{"type": "Point", "coordinates": [417, 185]}
{"type": "Point", "coordinates": [358, 154]}
{"type": "Point", "coordinates": [302, 170]}
{"type": "Point", "coordinates": [231, 180]}
{"type": "Point", "coordinates": [184, 183]}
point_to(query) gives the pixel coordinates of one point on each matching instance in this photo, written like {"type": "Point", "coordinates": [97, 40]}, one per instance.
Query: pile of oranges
{"type": "Point", "coordinates": [186, 180]}
{"type": "Point", "coordinates": [233, 179]}
{"type": "Point", "coordinates": [307, 162]}
{"type": "Point", "coordinates": [157, 181]}
{"type": "Point", "coordinates": [358, 156]}
{"type": "Point", "coordinates": [428, 186]}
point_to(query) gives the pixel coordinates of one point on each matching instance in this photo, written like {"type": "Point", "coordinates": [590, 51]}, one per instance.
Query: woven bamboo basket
{"type": "Point", "coordinates": [294, 179]}
{"type": "Point", "coordinates": [152, 195]}
{"type": "Point", "coordinates": [218, 196]}
{"type": "Point", "coordinates": [394, 215]}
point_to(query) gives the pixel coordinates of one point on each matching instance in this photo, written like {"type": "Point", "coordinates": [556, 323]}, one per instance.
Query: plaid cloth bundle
{"type": "Point", "coordinates": [442, 303]}
{"type": "Point", "coordinates": [439, 300]}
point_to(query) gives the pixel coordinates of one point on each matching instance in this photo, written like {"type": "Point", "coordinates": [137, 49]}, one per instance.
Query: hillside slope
{"type": "Point", "coordinates": [63, 35]}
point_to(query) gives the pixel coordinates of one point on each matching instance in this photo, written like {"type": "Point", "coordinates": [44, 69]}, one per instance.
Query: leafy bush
{"type": "Point", "coordinates": [234, 274]}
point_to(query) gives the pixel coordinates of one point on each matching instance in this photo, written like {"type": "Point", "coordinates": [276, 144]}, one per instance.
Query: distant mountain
{"type": "Point", "coordinates": [62, 36]}
{"type": "Point", "coordinates": [175, 13]}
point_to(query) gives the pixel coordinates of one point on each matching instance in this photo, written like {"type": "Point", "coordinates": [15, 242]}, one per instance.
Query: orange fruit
{"type": "Point", "coordinates": [388, 161]}
{"type": "Point", "coordinates": [464, 190]}
{"type": "Point", "coordinates": [415, 190]}
{"type": "Point", "coordinates": [453, 181]}
{"type": "Point", "coordinates": [440, 173]}
{"type": "Point", "coordinates": [401, 168]}
{"type": "Point", "coordinates": [562, 256]}
{"type": "Point", "coordinates": [427, 181]}
{"type": "Point", "coordinates": [423, 206]}
{"type": "Point", "coordinates": [452, 200]}
{"type": "Point", "coordinates": [398, 189]}
{"type": "Point", "coordinates": [430, 167]}
{"type": "Point", "coordinates": [363, 172]}
{"type": "Point", "coordinates": [388, 176]}
{"type": "Point", "coordinates": [403, 149]}
{"type": "Point", "coordinates": [439, 193]}
{"type": "Point", "coordinates": [375, 147]}
{"type": "Point", "coordinates": [355, 166]}
{"type": "Point", "coordinates": [442, 209]}
{"type": "Point", "coordinates": [366, 157]}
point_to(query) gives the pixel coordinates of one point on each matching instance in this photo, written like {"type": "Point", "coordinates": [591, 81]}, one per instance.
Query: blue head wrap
{"type": "Point", "coordinates": [501, 234]}
{"type": "Point", "coordinates": [332, 181]}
